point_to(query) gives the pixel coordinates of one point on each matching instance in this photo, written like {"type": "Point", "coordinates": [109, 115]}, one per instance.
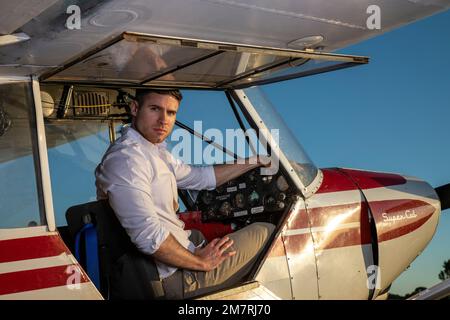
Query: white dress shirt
{"type": "Point", "coordinates": [140, 180]}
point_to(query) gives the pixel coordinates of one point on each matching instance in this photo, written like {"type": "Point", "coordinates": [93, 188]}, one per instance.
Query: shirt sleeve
{"type": "Point", "coordinates": [125, 178]}
{"type": "Point", "coordinates": [192, 177]}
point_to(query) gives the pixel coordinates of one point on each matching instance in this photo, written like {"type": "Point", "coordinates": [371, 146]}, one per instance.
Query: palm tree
{"type": "Point", "coordinates": [416, 291]}
{"type": "Point", "coordinates": [445, 274]}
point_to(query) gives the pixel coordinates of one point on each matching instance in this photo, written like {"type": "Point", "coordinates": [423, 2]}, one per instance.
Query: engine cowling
{"type": "Point", "coordinates": [406, 213]}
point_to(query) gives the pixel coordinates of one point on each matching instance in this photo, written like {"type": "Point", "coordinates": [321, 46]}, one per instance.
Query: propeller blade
{"type": "Point", "coordinates": [444, 195]}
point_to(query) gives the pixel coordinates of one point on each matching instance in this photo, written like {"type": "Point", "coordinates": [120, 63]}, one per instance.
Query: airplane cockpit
{"type": "Point", "coordinates": [90, 95]}
{"type": "Point", "coordinates": [95, 117]}
{"type": "Point", "coordinates": [224, 117]}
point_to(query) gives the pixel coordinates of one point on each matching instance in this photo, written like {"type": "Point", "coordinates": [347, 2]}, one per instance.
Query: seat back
{"type": "Point", "coordinates": [124, 272]}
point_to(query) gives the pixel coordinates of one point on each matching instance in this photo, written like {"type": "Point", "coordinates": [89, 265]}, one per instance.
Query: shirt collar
{"type": "Point", "coordinates": [134, 134]}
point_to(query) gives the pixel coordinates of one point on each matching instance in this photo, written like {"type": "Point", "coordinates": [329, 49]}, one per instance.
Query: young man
{"type": "Point", "coordinates": [140, 177]}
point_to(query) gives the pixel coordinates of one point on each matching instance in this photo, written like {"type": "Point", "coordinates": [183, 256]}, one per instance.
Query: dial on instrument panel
{"type": "Point", "coordinates": [251, 177]}
{"type": "Point", "coordinates": [253, 198]}
{"type": "Point", "coordinates": [207, 198]}
{"type": "Point", "coordinates": [239, 200]}
{"type": "Point", "coordinates": [282, 184]}
{"type": "Point", "coordinates": [225, 209]}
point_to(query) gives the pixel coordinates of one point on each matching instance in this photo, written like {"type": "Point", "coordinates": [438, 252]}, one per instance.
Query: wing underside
{"type": "Point", "coordinates": [279, 24]}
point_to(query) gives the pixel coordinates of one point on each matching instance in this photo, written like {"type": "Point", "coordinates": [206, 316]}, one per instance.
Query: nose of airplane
{"type": "Point", "coordinates": [405, 211]}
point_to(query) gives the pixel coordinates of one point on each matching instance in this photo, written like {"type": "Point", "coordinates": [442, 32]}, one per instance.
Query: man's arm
{"type": "Point", "coordinates": [228, 171]}
{"type": "Point", "coordinates": [146, 232]}
{"type": "Point", "coordinates": [208, 258]}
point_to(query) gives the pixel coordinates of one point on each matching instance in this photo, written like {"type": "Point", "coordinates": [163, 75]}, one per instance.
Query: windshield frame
{"type": "Point", "coordinates": [254, 117]}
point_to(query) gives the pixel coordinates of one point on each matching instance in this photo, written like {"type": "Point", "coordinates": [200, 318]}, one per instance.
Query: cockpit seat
{"type": "Point", "coordinates": [106, 252]}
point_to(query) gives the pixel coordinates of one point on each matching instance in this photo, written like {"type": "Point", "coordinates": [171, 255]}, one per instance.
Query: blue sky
{"type": "Point", "coordinates": [390, 115]}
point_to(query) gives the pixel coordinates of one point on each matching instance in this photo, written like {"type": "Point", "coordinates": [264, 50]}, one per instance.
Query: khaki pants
{"type": "Point", "coordinates": [248, 243]}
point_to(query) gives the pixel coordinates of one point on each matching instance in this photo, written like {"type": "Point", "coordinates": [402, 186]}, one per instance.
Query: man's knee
{"type": "Point", "coordinates": [254, 235]}
{"type": "Point", "coordinates": [264, 230]}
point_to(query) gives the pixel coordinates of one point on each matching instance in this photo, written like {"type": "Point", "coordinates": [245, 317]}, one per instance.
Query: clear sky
{"type": "Point", "coordinates": [391, 115]}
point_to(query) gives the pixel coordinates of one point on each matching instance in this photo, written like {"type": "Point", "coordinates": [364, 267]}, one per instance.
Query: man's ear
{"type": "Point", "coordinates": [134, 108]}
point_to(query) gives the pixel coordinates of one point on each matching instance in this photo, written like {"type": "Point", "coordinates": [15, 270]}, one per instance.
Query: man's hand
{"type": "Point", "coordinates": [203, 259]}
{"type": "Point", "coordinates": [215, 252]}
{"type": "Point", "coordinates": [228, 171]}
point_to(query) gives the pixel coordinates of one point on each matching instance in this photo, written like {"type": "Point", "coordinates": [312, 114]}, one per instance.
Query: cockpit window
{"type": "Point", "coordinates": [208, 113]}
{"type": "Point", "coordinates": [19, 200]}
{"type": "Point", "coordinates": [74, 151]}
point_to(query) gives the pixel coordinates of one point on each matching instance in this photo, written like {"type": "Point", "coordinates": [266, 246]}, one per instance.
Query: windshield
{"type": "Point", "coordinates": [289, 145]}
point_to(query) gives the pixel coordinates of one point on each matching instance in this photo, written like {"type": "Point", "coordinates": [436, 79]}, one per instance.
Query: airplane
{"type": "Point", "coordinates": [68, 71]}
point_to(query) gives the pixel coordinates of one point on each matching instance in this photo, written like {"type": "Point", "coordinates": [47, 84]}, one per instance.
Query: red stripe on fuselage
{"type": "Point", "coordinates": [321, 216]}
{"type": "Point", "coordinates": [338, 239]}
{"type": "Point", "coordinates": [35, 279]}
{"type": "Point", "coordinates": [296, 244]}
{"type": "Point", "coordinates": [336, 179]}
{"type": "Point", "coordinates": [340, 214]}
{"type": "Point", "coordinates": [371, 180]}
{"type": "Point", "coordinates": [298, 220]}
{"type": "Point", "coordinates": [31, 248]}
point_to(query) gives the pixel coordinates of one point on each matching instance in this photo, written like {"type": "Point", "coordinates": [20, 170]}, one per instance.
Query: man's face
{"type": "Point", "coordinates": [154, 119]}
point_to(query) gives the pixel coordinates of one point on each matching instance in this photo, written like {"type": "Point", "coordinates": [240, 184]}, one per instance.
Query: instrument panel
{"type": "Point", "coordinates": [250, 195]}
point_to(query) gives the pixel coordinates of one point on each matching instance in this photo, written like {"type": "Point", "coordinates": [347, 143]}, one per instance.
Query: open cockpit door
{"type": "Point", "coordinates": [136, 59]}
{"type": "Point", "coordinates": [35, 263]}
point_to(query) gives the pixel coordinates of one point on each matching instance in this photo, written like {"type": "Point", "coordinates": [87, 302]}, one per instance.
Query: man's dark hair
{"type": "Point", "coordinates": [141, 93]}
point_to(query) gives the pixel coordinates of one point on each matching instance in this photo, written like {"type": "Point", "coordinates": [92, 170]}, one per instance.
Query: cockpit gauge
{"type": "Point", "coordinates": [253, 198]}
{"type": "Point", "coordinates": [225, 209]}
{"type": "Point", "coordinates": [207, 197]}
{"type": "Point", "coordinates": [282, 184]}
{"type": "Point", "coordinates": [239, 200]}
{"type": "Point", "coordinates": [281, 196]}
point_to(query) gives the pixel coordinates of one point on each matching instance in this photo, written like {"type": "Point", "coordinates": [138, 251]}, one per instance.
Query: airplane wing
{"type": "Point", "coordinates": [437, 292]}
{"type": "Point", "coordinates": [280, 24]}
